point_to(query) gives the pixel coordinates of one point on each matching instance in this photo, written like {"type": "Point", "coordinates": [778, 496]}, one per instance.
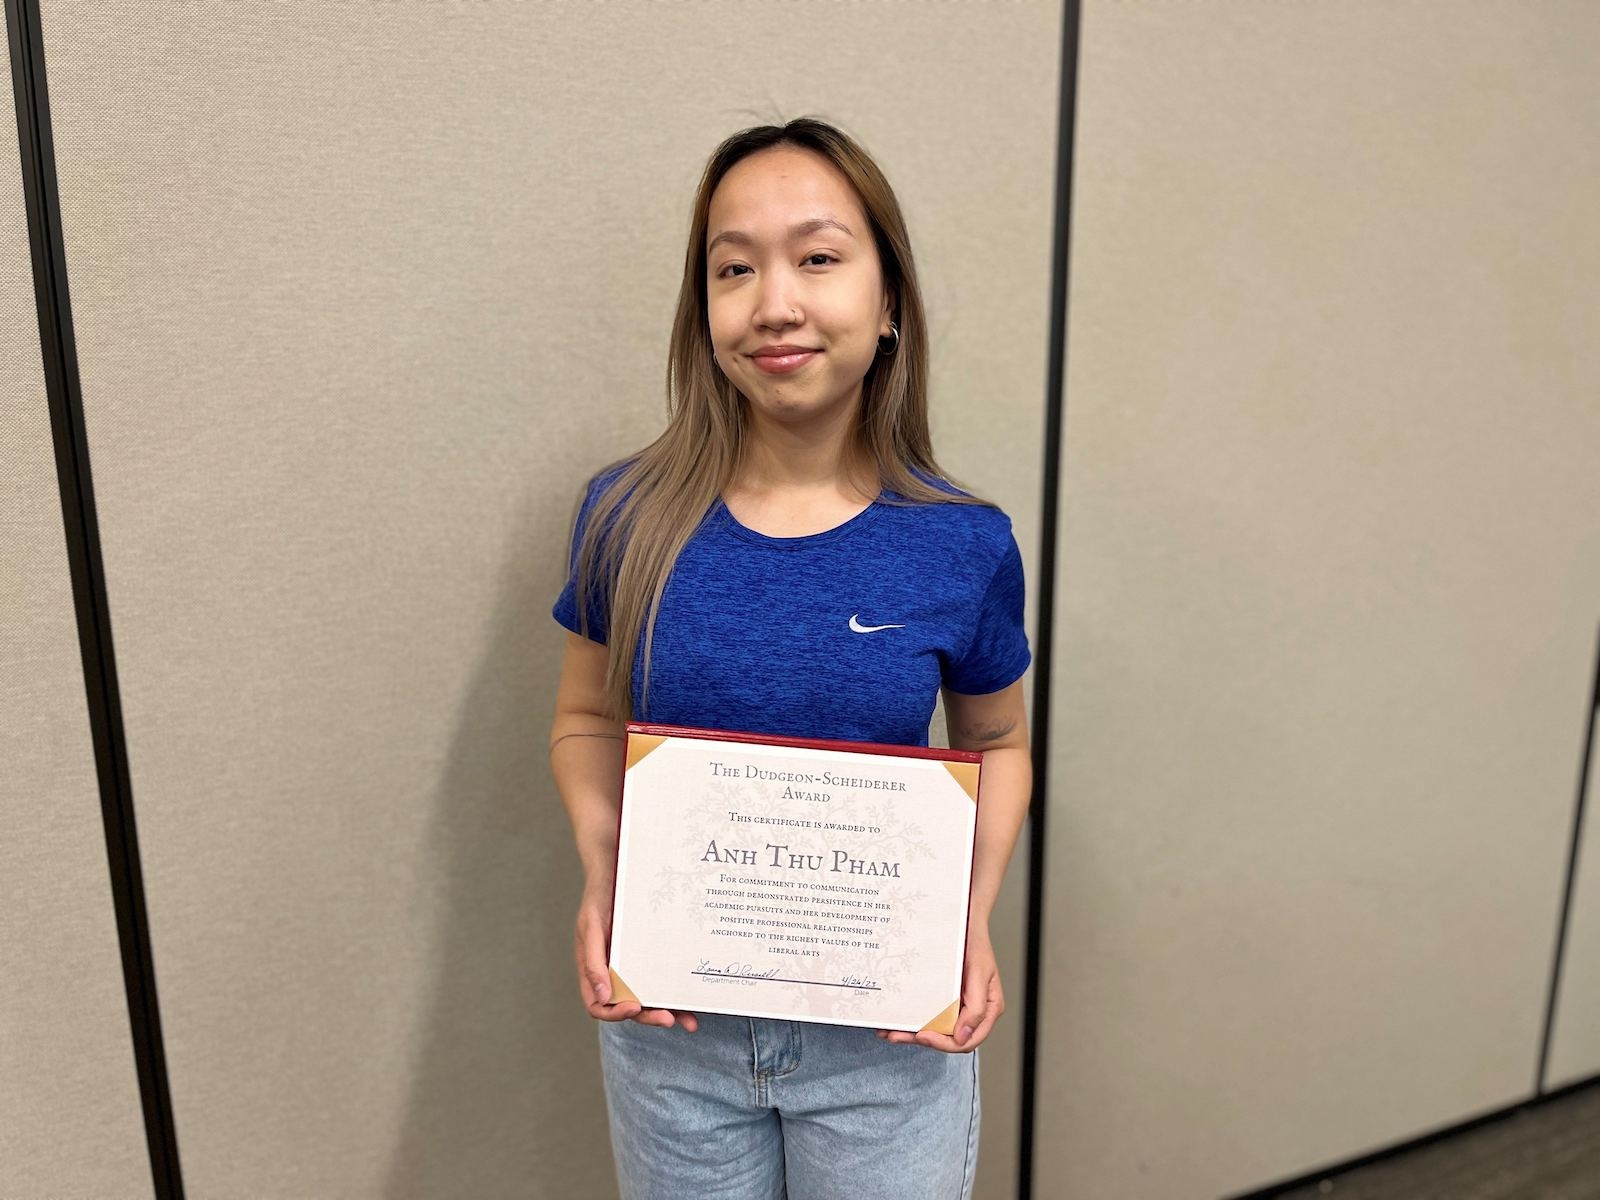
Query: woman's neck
{"type": "Point", "coordinates": [779, 457]}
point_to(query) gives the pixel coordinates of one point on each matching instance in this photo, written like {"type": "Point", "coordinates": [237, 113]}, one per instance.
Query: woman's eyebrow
{"type": "Point", "coordinates": [740, 238]}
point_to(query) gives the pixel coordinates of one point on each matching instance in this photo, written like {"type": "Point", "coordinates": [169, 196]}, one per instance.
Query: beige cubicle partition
{"type": "Point", "coordinates": [1328, 588]}
{"type": "Point", "coordinates": [1575, 1032]}
{"type": "Point", "coordinates": [362, 293]}
{"type": "Point", "coordinates": [70, 1123]}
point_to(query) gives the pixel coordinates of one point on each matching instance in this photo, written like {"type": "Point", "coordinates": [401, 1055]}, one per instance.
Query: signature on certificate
{"type": "Point", "coordinates": [744, 970]}
{"type": "Point", "coordinates": [740, 970]}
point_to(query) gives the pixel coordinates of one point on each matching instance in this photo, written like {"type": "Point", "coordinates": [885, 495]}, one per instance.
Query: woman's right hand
{"type": "Point", "coordinates": [593, 936]}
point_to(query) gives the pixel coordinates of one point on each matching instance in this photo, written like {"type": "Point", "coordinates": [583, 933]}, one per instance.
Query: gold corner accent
{"type": "Point", "coordinates": [621, 992]}
{"type": "Point", "coordinates": [966, 774]}
{"type": "Point", "coordinates": [640, 744]}
{"type": "Point", "coordinates": [945, 1022]}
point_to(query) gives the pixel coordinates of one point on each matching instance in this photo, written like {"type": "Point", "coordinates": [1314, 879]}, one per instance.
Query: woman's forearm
{"type": "Point", "coordinates": [1005, 788]}
{"type": "Point", "coordinates": [586, 761]}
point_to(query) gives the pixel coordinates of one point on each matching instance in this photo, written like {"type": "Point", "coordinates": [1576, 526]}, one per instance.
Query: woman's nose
{"type": "Point", "coordinates": [777, 305]}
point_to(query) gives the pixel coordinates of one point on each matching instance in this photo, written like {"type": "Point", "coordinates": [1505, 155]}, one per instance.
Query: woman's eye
{"type": "Point", "coordinates": [723, 274]}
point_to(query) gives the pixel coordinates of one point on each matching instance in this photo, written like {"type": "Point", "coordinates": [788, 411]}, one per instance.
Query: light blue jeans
{"type": "Point", "coordinates": [747, 1108]}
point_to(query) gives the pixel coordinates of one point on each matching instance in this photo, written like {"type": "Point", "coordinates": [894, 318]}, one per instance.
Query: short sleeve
{"type": "Point", "coordinates": [565, 609]}
{"type": "Point", "coordinates": [998, 653]}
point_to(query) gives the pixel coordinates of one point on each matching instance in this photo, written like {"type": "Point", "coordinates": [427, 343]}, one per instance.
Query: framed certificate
{"type": "Point", "coordinates": [795, 879]}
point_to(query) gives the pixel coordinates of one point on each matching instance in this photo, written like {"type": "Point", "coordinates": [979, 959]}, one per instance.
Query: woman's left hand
{"type": "Point", "coordinates": [982, 1001]}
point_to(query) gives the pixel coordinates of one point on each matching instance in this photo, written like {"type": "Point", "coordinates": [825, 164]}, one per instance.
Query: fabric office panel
{"type": "Point", "coordinates": [69, 1107]}
{"type": "Point", "coordinates": [1575, 1038]}
{"type": "Point", "coordinates": [1329, 569]}
{"type": "Point", "coordinates": [361, 295]}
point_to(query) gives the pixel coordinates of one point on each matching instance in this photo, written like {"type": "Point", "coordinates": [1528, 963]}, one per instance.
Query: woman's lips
{"type": "Point", "coordinates": [782, 364]}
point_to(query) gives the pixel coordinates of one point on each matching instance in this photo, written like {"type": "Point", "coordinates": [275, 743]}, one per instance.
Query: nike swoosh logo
{"type": "Point", "coordinates": [858, 627]}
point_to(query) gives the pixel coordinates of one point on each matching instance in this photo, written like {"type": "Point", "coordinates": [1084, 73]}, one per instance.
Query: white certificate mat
{"type": "Point", "coordinates": [793, 880]}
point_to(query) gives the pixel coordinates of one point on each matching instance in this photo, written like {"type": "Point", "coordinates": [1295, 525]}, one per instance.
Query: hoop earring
{"type": "Point", "coordinates": [895, 330]}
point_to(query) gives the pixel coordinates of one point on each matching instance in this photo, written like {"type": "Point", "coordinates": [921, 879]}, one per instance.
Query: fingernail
{"type": "Point", "coordinates": [963, 1033]}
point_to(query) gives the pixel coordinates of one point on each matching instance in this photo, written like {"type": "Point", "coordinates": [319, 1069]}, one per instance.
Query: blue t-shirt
{"type": "Point", "coordinates": [848, 633]}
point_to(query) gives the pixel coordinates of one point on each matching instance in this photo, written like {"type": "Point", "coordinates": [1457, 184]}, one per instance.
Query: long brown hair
{"type": "Point", "coordinates": [645, 515]}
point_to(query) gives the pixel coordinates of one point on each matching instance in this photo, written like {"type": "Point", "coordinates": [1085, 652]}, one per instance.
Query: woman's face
{"type": "Point", "coordinates": [791, 261]}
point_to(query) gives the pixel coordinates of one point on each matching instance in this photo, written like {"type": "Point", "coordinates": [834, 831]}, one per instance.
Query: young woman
{"type": "Point", "coordinates": [788, 558]}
